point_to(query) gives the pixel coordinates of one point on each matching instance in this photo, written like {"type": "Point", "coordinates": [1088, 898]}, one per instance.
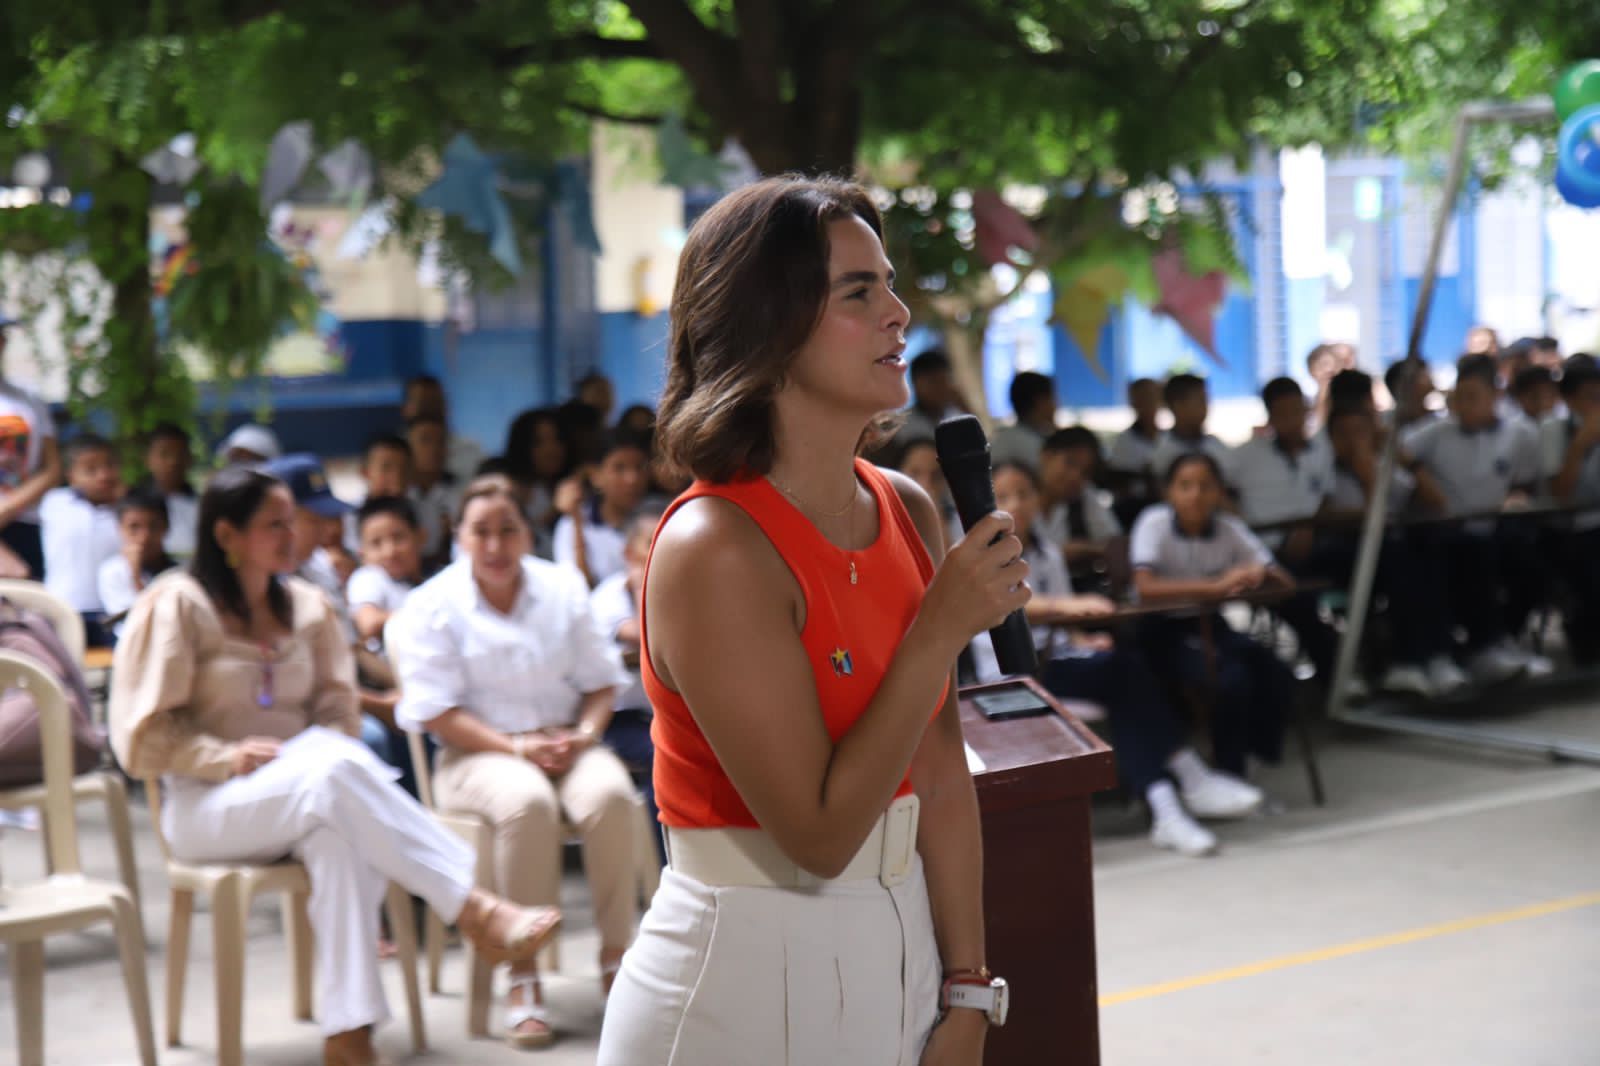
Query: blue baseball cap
{"type": "Point", "coordinates": [308, 482]}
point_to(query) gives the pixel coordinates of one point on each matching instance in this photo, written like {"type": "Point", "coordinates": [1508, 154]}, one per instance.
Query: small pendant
{"type": "Point", "coordinates": [853, 578]}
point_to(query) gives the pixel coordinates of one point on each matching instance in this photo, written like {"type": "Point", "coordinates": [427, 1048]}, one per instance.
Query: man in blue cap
{"type": "Point", "coordinates": [30, 466]}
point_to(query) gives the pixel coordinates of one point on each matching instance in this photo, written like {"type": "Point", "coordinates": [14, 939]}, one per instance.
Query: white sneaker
{"type": "Point", "coordinates": [1447, 678]}
{"type": "Point", "coordinates": [1183, 835]}
{"type": "Point", "coordinates": [1496, 664]}
{"type": "Point", "coordinates": [1408, 678]}
{"type": "Point", "coordinates": [1220, 795]}
{"type": "Point", "coordinates": [1535, 665]}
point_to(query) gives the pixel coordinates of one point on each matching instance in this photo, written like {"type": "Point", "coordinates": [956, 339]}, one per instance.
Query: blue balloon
{"type": "Point", "coordinates": [1572, 194]}
{"type": "Point", "coordinates": [1578, 154]}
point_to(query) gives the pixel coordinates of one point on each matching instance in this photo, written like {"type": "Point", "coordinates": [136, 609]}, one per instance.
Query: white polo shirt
{"type": "Point", "coordinates": [1047, 574]}
{"type": "Point", "coordinates": [1134, 453]}
{"type": "Point", "coordinates": [436, 510]}
{"type": "Point", "coordinates": [1274, 486]}
{"type": "Point", "coordinates": [1158, 545]}
{"type": "Point", "coordinates": [603, 545]}
{"type": "Point", "coordinates": [1017, 443]}
{"type": "Point", "coordinates": [1555, 437]}
{"type": "Point", "coordinates": [1350, 495]}
{"type": "Point", "coordinates": [1172, 446]}
{"type": "Point", "coordinates": [1098, 523]}
{"type": "Point", "coordinates": [613, 604]}
{"type": "Point", "coordinates": [78, 536]}
{"type": "Point", "coordinates": [373, 585]}
{"type": "Point", "coordinates": [1477, 471]}
{"type": "Point", "coordinates": [517, 672]}
{"type": "Point", "coordinates": [117, 591]}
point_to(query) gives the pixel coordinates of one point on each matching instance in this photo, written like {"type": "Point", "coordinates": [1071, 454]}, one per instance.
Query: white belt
{"type": "Point", "coordinates": [750, 858]}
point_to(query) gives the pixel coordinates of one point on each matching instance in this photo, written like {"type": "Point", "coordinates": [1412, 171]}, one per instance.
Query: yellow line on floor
{"type": "Point", "coordinates": [1354, 947]}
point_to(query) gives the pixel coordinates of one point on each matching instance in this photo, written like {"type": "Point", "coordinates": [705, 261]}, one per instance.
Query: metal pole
{"type": "Point", "coordinates": [1366, 568]}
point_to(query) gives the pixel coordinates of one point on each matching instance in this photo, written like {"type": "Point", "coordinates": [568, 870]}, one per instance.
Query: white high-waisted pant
{"type": "Point", "coordinates": [846, 973]}
{"type": "Point", "coordinates": [334, 806]}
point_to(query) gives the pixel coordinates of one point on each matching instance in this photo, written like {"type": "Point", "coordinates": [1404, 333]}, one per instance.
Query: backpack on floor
{"type": "Point", "coordinates": [30, 633]}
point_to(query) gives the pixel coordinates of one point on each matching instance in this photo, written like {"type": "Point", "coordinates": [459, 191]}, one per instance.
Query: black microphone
{"type": "Point", "coordinates": [964, 458]}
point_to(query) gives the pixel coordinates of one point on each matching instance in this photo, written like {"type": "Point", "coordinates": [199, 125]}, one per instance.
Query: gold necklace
{"type": "Point", "coordinates": [850, 506]}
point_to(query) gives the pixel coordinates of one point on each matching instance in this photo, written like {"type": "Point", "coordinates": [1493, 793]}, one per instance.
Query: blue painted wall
{"type": "Point", "coordinates": [633, 354]}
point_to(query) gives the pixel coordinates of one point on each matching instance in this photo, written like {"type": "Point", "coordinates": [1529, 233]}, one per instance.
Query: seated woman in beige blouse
{"type": "Point", "coordinates": [237, 686]}
{"type": "Point", "coordinates": [500, 657]}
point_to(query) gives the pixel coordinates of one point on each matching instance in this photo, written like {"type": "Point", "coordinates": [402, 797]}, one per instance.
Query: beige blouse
{"type": "Point", "coordinates": [184, 692]}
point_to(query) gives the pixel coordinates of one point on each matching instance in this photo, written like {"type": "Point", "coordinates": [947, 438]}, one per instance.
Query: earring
{"type": "Point", "coordinates": [232, 559]}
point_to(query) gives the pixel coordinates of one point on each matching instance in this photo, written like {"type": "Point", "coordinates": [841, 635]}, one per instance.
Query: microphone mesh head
{"type": "Point", "coordinates": [960, 436]}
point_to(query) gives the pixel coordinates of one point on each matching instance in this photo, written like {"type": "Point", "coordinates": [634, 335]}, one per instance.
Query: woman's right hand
{"type": "Point", "coordinates": [979, 582]}
{"type": "Point", "coordinates": [252, 753]}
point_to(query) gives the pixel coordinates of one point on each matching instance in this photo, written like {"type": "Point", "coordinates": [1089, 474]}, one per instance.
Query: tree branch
{"type": "Point", "coordinates": [760, 56]}
{"type": "Point", "coordinates": [706, 57]}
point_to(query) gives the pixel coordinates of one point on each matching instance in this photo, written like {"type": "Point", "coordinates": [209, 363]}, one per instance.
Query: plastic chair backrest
{"type": "Point", "coordinates": [55, 738]}
{"type": "Point", "coordinates": [35, 597]}
{"type": "Point", "coordinates": [420, 767]}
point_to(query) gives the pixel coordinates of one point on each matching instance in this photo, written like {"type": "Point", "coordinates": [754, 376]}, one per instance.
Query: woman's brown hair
{"type": "Point", "coordinates": [752, 284]}
{"type": "Point", "coordinates": [489, 487]}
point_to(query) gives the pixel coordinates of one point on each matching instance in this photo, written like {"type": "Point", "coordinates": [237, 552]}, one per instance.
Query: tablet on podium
{"type": "Point", "coordinates": [1035, 766]}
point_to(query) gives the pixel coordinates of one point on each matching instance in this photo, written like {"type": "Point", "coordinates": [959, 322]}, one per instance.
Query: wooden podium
{"type": "Point", "coordinates": [1038, 891]}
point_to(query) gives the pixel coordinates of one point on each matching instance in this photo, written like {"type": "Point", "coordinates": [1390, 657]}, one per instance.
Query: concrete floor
{"type": "Point", "coordinates": [1399, 925]}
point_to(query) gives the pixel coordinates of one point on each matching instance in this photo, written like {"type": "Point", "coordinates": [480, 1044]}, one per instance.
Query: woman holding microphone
{"type": "Point", "coordinates": [801, 626]}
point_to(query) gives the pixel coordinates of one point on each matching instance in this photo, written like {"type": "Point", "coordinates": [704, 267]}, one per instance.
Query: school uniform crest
{"type": "Point", "coordinates": [842, 666]}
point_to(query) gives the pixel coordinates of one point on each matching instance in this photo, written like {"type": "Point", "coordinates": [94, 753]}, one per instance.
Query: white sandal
{"type": "Point", "coordinates": [530, 1011]}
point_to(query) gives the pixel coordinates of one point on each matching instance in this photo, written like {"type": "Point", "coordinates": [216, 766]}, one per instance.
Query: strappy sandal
{"type": "Point", "coordinates": [519, 1014]}
{"type": "Point", "coordinates": [522, 931]}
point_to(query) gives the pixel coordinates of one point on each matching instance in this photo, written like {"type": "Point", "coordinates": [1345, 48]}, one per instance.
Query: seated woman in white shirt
{"type": "Point", "coordinates": [236, 686]}
{"type": "Point", "coordinates": [500, 657]}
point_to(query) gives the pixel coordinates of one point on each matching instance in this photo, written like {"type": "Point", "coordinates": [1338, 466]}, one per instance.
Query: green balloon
{"type": "Point", "coordinates": [1577, 88]}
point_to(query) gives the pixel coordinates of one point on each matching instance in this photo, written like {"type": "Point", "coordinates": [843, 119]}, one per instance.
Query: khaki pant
{"type": "Point", "coordinates": [524, 806]}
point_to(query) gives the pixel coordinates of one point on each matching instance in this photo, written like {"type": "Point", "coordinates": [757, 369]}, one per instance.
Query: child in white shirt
{"type": "Point", "coordinates": [142, 526]}
{"type": "Point", "coordinates": [391, 556]}
{"type": "Point", "coordinates": [78, 525]}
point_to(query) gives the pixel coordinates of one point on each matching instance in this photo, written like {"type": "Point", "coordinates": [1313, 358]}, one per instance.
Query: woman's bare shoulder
{"type": "Point", "coordinates": [713, 538]}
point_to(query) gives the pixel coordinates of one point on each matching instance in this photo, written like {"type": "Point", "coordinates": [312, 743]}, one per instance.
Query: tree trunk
{"type": "Point", "coordinates": [130, 374]}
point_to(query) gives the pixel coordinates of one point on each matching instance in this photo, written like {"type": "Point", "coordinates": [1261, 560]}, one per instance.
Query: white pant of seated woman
{"type": "Point", "coordinates": [335, 807]}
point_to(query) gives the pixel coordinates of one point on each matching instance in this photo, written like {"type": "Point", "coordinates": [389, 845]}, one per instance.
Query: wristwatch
{"type": "Point", "coordinates": [973, 992]}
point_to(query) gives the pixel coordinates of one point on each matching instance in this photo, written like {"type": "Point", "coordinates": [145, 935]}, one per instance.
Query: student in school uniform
{"type": "Point", "coordinates": [1536, 394]}
{"type": "Point", "coordinates": [1131, 460]}
{"type": "Point", "coordinates": [141, 525]}
{"type": "Point", "coordinates": [1156, 761]}
{"type": "Point", "coordinates": [1483, 462]}
{"type": "Point", "coordinates": [934, 396]}
{"type": "Point", "coordinates": [1189, 548]}
{"type": "Point", "coordinates": [1033, 398]}
{"type": "Point", "coordinates": [424, 395]}
{"type": "Point", "coordinates": [1187, 399]}
{"type": "Point", "coordinates": [615, 602]}
{"type": "Point", "coordinates": [919, 461]}
{"type": "Point", "coordinates": [1285, 475]}
{"type": "Point", "coordinates": [30, 466]}
{"type": "Point", "coordinates": [1411, 579]}
{"type": "Point", "coordinates": [1411, 403]}
{"type": "Point", "coordinates": [1570, 449]}
{"type": "Point", "coordinates": [435, 489]}
{"type": "Point", "coordinates": [168, 458]}
{"type": "Point", "coordinates": [1075, 515]}
{"type": "Point", "coordinates": [78, 524]}
{"type": "Point", "coordinates": [385, 471]}
{"type": "Point", "coordinates": [590, 537]}
{"type": "Point", "coordinates": [391, 566]}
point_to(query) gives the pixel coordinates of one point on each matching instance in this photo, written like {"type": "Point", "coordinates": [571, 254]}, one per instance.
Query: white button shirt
{"type": "Point", "coordinates": [517, 672]}
{"type": "Point", "coordinates": [603, 545]}
{"type": "Point", "coordinates": [78, 536]}
{"type": "Point", "coordinates": [1173, 446]}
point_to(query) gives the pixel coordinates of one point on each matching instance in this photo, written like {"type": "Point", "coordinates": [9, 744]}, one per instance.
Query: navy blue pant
{"type": "Point", "coordinates": [1410, 578]}
{"type": "Point", "coordinates": [1253, 691]}
{"type": "Point", "coordinates": [1145, 732]}
{"type": "Point", "coordinates": [24, 539]}
{"type": "Point", "coordinates": [629, 736]}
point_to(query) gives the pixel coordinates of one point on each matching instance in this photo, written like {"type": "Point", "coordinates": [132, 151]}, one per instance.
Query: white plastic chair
{"type": "Point", "coordinates": [103, 785]}
{"type": "Point", "coordinates": [476, 831]}
{"type": "Point", "coordinates": [65, 900]}
{"type": "Point", "coordinates": [231, 888]}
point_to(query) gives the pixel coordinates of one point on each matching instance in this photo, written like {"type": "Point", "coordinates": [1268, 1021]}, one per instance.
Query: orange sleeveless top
{"type": "Point", "coordinates": [851, 634]}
